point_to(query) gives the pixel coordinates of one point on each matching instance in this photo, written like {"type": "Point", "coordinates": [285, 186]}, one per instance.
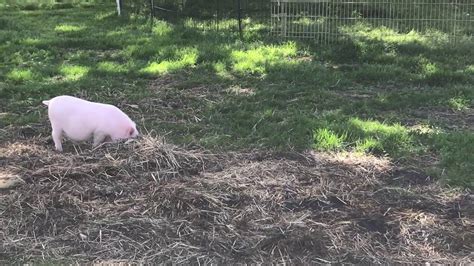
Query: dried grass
{"type": "Point", "coordinates": [150, 201]}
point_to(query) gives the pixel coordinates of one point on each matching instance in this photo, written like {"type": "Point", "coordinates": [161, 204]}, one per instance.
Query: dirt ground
{"type": "Point", "coordinates": [150, 201]}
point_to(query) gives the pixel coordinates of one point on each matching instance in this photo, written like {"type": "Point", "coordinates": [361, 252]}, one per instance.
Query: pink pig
{"type": "Point", "coordinates": [80, 119]}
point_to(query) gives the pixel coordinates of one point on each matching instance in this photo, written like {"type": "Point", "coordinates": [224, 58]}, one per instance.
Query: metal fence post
{"type": "Point", "coordinates": [239, 15]}
{"type": "Point", "coordinates": [217, 15]}
{"type": "Point", "coordinates": [455, 20]}
{"type": "Point", "coordinates": [152, 11]}
{"type": "Point", "coordinates": [119, 7]}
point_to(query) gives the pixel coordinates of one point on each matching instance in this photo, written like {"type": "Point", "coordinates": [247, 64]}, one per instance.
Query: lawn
{"type": "Point", "coordinates": [399, 108]}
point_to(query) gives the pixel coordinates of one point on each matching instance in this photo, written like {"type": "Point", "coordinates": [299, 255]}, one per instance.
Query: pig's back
{"type": "Point", "coordinates": [70, 110]}
{"type": "Point", "coordinates": [76, 117]}
{"type": "Point", "coordinates": [67, 107]}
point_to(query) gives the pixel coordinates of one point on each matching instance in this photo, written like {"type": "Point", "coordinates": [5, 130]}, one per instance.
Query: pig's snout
{"type": "Point", "coordinates": [132, 132]}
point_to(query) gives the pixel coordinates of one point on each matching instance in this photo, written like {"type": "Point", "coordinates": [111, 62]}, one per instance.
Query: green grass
{"type": "Point", "coordinates": [20, 75]}
{"type": "Point", "coordinates": [339, 133]}
{"type": "Point", "coordinates": [209, 88]}
{"type": "Point", "coordinates": [457, 150]}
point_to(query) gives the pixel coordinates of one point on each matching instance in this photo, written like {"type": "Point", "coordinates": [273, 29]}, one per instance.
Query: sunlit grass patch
{"type": "Point", "coordinates": [105, 15]}
{"type": "Point", "coordinates": [21, 75]}
{"type": "Point", "coordinates": [459, 103]}
{"type": "Point", "coordinates": [161, 28]}
{"type": "Point", "coordinates": [327, 140]}
{"type": "Point", "coordinates": [368, 144]}
{"type": "Point", "coordinates": [256, 60]}
{"type": "Point", "coordinates": [69, 28]}
{"type": "Point", "coordinates": [369, 136]}
{"type": "Point", "coordinates": [73, 72]}
{"type": "Point", "coordinates": [470, 69]}
{"type": "Point", "coordinates": [111, 67]}
{"type": "Point", "coordinates": [427, 67]}
{"type": "Point", "coordinates": [146, 47]}
{"type": "Point", "coordinates": [221, 69]}
{"type": "Point", "coordinates": [117, 33]}
{"type": "Point", "coordinates": [391, 36]}
{"type": "Point", "coordinates": [31, 41]}
{"type": "Point", "coordinates": [380, 137]}
{"type": "Point", "coordinates": [186, 58]}
{"type": "Point", "coordinates": [206, 24]}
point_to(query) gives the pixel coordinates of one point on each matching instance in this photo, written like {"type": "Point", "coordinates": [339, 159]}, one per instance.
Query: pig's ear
{"type": "Point", "coordinates": [130, 131]}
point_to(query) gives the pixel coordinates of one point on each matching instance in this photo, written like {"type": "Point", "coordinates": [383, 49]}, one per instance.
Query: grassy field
{"type": "Point", "coordinates": [404, 100]}
{"type": "Point", "coordinates": [404, 97]}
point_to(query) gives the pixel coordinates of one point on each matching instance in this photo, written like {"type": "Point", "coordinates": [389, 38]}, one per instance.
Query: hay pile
{"type": "Point", "coordinates": [149, 201]}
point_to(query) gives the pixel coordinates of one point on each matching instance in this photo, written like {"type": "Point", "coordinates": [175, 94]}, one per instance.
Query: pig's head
{"type": "Point", "coordinates": [127, 132]}
{"type": "Point", "coordinates": [132, 131]}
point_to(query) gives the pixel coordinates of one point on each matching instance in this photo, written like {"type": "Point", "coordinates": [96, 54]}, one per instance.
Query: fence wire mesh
{"type": "Point", "coordinates": [330, 20]}
{"type": "Point", "coordinates": [325, 21]}
{"type": "Point", "coordinates": [212, 14]}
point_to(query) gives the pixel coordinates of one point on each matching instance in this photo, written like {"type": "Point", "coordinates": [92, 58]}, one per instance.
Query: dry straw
{"type": "Point", "coordinates": [150, 201]}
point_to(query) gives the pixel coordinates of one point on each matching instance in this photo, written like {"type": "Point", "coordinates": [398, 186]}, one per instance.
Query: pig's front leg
{"type": "Point", "coordinates": [57, 135]}
{"type": "Point", "coordinates": [99, 137]}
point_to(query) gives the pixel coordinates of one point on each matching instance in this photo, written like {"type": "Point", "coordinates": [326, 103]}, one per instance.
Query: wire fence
{"type": "Point", "coordinates": [331, 20]}
{"type": "Point", "coordinates": [226, 15]}
{"type": "Point", "coordinates": [324, 21]}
